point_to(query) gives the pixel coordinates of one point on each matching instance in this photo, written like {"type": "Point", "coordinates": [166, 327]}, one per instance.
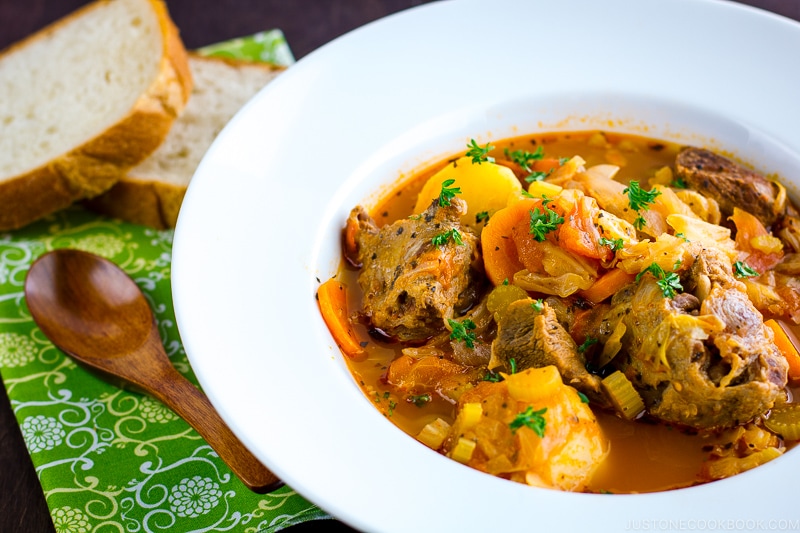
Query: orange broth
{"type": "Point", "coordinates": [644, 456]}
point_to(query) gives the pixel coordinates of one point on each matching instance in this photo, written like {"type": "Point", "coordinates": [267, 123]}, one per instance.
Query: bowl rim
{"type": "Point", "coordinates": [221, 299]}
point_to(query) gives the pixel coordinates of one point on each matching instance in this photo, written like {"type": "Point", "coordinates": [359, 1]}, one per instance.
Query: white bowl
{"type": "Point", "coordinates": [260, 227]}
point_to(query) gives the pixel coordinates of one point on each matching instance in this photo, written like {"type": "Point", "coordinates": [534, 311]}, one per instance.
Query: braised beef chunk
{"type": "Point", "coordinates": [730, 184]}
{"type": "Point", "coordinates": [534, 339]}
{"type": "Point", "coordinates": [417, 272]}
{"type": "Point", "coordinates": [707, 367]}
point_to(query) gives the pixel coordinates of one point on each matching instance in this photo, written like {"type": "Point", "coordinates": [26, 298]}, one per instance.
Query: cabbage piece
{"type": "Point", "coordinates": [610, 197]}
{"type": "Point", "coordinates": [563, 285]}
{"type": "Point", "coordinates": [667, 251]}
{"type": "Point", "coordinates": [704, 207]}
{"type": "Point", "coordinates": [564, 273]}
{"type": "Point", "coordinates": [567, 171]}
{"type": "Point", "coordinates": [709, 235]}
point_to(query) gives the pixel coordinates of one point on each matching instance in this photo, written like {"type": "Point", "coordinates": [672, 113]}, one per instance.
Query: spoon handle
{"type": "Point", "coordinates": [156, 376]}
{"type": "Point", "coordinates": [196, 409]}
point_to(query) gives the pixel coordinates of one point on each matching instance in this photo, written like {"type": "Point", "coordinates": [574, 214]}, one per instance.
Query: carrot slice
{"type": "Point", "coordinates": [787, 344]}
{"type": "Point", "coordinates": [500, 257]}
{"type": "Point", "coordinates": [579, 234]}
{"type": "Point", "coordinates": [750, 230]}
{"type": "Point", "coordinates": [607, 285]}
{"type": "Point", "coordinates": [332, 298]}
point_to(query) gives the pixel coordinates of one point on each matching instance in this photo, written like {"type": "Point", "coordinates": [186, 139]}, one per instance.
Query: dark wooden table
{"type": "Point", "coordinates": [307, 25]}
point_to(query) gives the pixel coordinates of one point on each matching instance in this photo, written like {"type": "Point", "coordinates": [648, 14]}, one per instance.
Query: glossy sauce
{"type": "Point", "coordinates": [644, 456]}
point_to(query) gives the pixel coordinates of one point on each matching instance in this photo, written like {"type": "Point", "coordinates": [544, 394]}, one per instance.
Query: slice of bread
{"type": "Point", "coordinates": [84, 100]}
{"type": "Point", "coordinates": [152, 192]}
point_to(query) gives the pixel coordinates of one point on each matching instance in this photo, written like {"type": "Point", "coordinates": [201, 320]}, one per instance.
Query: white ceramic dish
{"type": "Point", "coordinates": [260, 226]}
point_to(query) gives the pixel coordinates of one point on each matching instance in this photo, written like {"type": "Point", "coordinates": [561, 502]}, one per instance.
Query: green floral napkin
{"type": "Point", "coordinates": [109, 459]}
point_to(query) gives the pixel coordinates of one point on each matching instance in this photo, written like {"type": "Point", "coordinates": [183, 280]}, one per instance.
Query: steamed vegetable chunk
{"type": "Point", "coordinates": [547, 298]}
{"type": "Point", "coordinates": [530, 428]}
{"type": "Point", "coordinates": [485, 187]}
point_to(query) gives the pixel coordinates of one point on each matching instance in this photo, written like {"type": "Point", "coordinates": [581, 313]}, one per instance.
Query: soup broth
{"type": "Point", "coordinates": [641, 455]}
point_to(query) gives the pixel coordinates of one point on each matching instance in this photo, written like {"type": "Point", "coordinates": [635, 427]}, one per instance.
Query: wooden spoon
{"type": "Point", "coordinates": [92, 310]}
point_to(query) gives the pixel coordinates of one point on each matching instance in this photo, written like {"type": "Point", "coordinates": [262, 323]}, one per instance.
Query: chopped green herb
{"type": "Point", "coordinates": [679, 183]}
{"type": "Point", "coordinates": [682, 236]}
{"type": "Point", "coordinates": [743, 270]}
{"type": "Point", "coordinates": [543, 223]}
{"type": "Point", "coordinates": [524, 158]}
{"type": "Point", "coordinates": [535, 176]}
{"type": "Point", "coordinates": [420, 400]}
{"type": "Point", "coordinates": [479, 154]}
{"type": "Point", "coordinates": [546, 200]}
{"type": "Point", "coordinates": [392, 405]}
{"type": "Point", "coordinates": [668, 282]}
{"type": "Point", "coordinates": [505, 281]}
{"type": "Point", "coordinates": [448, 193]}
{"type": "Point", "coordinates": [583, 397]}
{"type": "Point", "coordinates": [462, 331]}
{"type": "Point", "coordinates": [481, 217]}
{"type": "Point", "coordinates": [614, 244]}
{"type": "Point", "coordinates": [562, 160]}
{"type": "Point", "coordinates": [586, 344]}
{"type": "Point", "coordinates": [442, 238]}
{"type": "Point", "coordinates": [532, 419]}
{"type": "Point", "coordinates": [513, 364]}
{"type": "Point", "coordinates": [638, 198]}
{"type": "Point", "coordinates": [526, 194]}
{"type": "Point", "coordinates": [537, 305]}
{"type": "Point", "coordinates": [494, 377]}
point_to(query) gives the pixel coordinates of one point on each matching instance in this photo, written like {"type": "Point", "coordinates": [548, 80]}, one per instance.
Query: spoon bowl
{"type": "Point", "coordinates": [94, 312]}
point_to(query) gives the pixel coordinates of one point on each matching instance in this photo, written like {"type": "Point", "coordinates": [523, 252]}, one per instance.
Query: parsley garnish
{"type": "Point", "coordinates": [537, 305]}
{"type": "Point", "coordinates": [614, 244]}
{"type": "Point", "coordinates": [743, 270]}
{"type": "Point", "coordinates": [679, 183]}
{"type": "Point", "coordinates": [535, 176]}
{"type": "Point", "coordinates": [513, 364]}
{"type": "Point", "coordinates": [586, 344]}
{"type": "Point", "coordinates": [682, 236]}
{"type": "Point", "coordinates": [543, 223]}
{"type": "Point", "coordinates": [479, 154]}
{"type": "Point", "coordinates": [442, 238]}
{"type": "Point", "coordinates": [462, 331]}
{"type": "Point", "coordinates": [448, 193]}
{"type": "Point", "coordinates": [523, 157]}
{"type": "Point", "coordinates": [532, 419]}
{"type": "Point", "coordinates": [668, 282]}
{"type": "Point", "coordinates": [482, 216]}
{"type": "Point", "coordinates": [420, 400]}
{"type": "Point", "coordinates": [494, 377]}
{"type": "Point", "coordinates": [583, 397]}
{"type": "Point", "coordinates": [639, 200]}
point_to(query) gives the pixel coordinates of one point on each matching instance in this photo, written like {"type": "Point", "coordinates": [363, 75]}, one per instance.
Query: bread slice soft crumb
{"type": "Point", "coordinates": [84, 100]}
{"type": "Point", "coordinates": [152, 192]}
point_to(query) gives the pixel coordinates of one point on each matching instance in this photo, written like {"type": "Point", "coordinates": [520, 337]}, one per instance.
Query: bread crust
{"type": "Point", "coordinates": [148, 202]}
{"type": "Point", "coordinates": [145, 199]}
{"type": "Point", "coordinates": [93, 167]}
